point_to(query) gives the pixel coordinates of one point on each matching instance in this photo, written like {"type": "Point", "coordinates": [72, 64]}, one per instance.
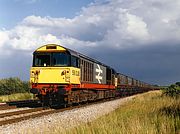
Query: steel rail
{"type": "Point", "coordinates": [20, 112]}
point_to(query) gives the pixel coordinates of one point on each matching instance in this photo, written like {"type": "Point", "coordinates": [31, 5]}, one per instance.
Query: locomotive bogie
{"type": "Point", "coordinates": [85, 95]}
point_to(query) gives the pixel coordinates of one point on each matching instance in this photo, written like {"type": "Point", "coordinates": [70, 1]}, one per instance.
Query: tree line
{"type": "Point", "coordinates": [13, 85]}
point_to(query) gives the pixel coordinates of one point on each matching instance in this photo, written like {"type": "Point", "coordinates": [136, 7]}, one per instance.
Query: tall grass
{"type": "Point", "coordinates": [16, 97]}
{"type": "Point", "coordinates": [149, 113]}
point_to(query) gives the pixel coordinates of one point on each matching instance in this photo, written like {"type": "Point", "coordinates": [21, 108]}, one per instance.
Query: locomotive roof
{"type": "Point", "coordinates": [55, 48]}
{"type": "Point", "coordinates": [59, 48]}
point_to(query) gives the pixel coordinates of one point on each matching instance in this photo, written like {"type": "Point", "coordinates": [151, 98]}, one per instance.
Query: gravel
{"type": "Point", "coordinates": [63, 120]}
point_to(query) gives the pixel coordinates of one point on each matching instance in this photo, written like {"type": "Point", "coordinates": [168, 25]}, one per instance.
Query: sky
{"type": "Point", "coordinates": [137, 38]}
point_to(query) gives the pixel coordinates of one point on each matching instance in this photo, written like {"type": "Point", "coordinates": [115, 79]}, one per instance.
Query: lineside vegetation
{"type": "Point", "coordinates": [12, 89]}
{"type": "Point", "coordinates": [173, 90]}
{"type": "Point", "coordinates": [13, 85]}
{"type": "Point", "coordinates": [152, 112]}
{"type": "Point", "coordinates": [16, 97]}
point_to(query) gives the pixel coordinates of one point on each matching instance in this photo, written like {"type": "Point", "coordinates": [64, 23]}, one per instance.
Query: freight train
{"type": "Point", "coordinates": [61, 76]}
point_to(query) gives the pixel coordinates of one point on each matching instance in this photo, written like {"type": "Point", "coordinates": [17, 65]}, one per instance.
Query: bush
{"type": "Point", "coordinates": [173, 90]}
{"type": "Point", "coordinates": [13, 85]}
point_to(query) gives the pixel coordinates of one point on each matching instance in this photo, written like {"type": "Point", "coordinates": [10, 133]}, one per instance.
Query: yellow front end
{"type": "Point", "coordinates": [55, 75]}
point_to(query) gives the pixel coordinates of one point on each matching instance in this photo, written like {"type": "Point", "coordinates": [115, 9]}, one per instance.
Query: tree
{"type": "Point", "coordinates": [13, 85]}
{"type": "Point", "coordinates": [178, 83]}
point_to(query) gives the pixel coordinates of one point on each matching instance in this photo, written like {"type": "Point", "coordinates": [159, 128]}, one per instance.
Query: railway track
{"type": "Point", "coordinates": [8, 114]}
{"type": "Point", "coordinates": [20, 104]}
{"type": "Point", "coordinates": [6, 107]}
{"type": "Point", "coordinates": [17, 116]}
{"type": "Point", "coordinates": [25, 103]}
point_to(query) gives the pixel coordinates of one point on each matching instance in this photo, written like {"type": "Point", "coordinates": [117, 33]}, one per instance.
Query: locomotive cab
{"type": "Point", "coordinates": [54, 65]}
{"type": "Point", "coordinates": [54, 68]}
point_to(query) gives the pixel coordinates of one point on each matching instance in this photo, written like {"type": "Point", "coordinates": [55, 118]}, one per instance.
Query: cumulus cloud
{"type": "Point", "coordinates": [115, 23]}
{"type": "Point", "coordinates": [111, 24]}
{"type": "Point", "coordinates": [4, 38]}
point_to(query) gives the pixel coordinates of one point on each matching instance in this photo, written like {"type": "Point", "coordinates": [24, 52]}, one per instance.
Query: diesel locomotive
{"type": "Point", "coordinates": [61, 76]}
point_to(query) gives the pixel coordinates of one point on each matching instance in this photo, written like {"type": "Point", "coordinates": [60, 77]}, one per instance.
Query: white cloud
{"type": "Point", "coordinates": [137, 27]}
{"type": "Point", "coordinates": [4, 38]}
{"type": "Point", "coordinates": [111, 23]}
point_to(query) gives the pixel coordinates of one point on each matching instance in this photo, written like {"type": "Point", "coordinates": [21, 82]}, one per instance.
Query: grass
{"type": "Point", "coordinates": [16, 97]}
{"type": "Point", "coordinates": [149, 113]}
